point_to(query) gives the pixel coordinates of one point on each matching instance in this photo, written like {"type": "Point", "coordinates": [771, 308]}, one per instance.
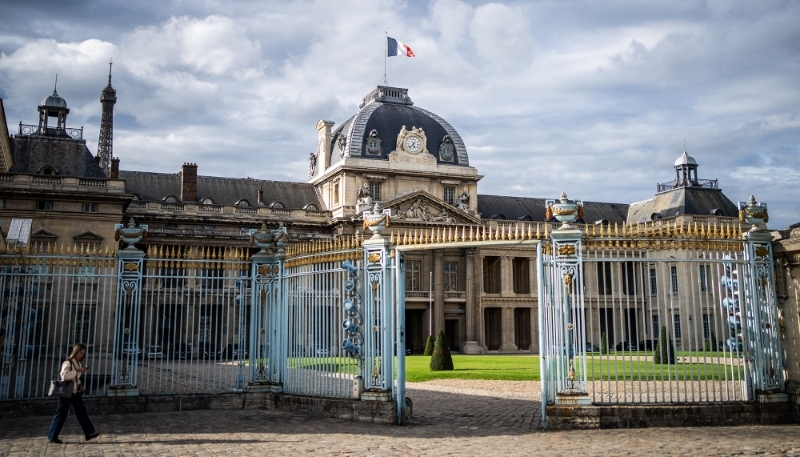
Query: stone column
{"type": "Point", "coordinates": [477, 273]}
{"type": "Point", "coordinates": [438, 290]}
{"type": "Point", "coordinates": [506, 277]}
{"type": "Point", "coordinates": [508, 331]}
{"type": "Point", "coordinates": [471, 345]}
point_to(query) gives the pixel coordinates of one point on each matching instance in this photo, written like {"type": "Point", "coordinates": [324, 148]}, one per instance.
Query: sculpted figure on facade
{"type": "Point", "coordinates": [462, 202]}
{"type": "Point", "coordinates": [312, 165]}
{"type": "Point", "coordinates": [364, 196]}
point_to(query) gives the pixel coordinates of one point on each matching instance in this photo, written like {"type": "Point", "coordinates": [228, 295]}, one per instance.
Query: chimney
{"type": "Point", "coordinates": [189, 182]}
{"type": "Point", "coordinates": [261, 196]}
{"type": "Point", "coordinates": [324, 139]}
{"type": "Point", "coordinates": [114, 168]}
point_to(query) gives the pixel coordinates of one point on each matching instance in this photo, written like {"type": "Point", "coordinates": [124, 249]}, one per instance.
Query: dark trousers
{"type": "Point", "coordinates": [61, 416]}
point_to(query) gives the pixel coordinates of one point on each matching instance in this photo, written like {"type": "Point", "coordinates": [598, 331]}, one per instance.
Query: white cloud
{"type": "Point", "coordinates": [591, 98]}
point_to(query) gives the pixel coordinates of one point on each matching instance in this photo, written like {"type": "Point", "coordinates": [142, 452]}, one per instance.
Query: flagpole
{"type": "Point", "coordinates": [385, 55]}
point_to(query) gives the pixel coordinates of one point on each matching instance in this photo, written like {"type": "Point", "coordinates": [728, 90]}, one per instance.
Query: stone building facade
{"type": "Point", "coordinates": [391, 153]}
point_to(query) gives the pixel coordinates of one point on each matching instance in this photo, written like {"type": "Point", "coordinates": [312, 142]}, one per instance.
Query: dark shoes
{"type": "Point", "coordinates": [56, 441]}
{"type": "Point", "coordinates": [92, 436]}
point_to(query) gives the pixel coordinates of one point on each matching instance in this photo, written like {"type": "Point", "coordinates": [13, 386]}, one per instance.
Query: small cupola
{"type": "Point", "coordinates": [53, 106]}
{"type": "Point", "coordinates": [686, 171]}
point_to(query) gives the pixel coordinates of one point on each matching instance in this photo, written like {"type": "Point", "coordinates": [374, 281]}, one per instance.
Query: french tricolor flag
{"type": "Point", "coordinates": [396, 48]}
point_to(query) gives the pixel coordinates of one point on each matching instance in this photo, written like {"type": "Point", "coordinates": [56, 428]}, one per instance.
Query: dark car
{"type": "Point", "coordinates": [623, 346]}
{"type": "Point", "coordinates": [183, 351]}
{"type": "Point", "coordinates": [233, 352]}
{"type": "Point", "coordinates": [206, 351]}
{"type": "Point", "coordinates": [590, 347]}
{"type": "Point", "coordinates": [647, 345]}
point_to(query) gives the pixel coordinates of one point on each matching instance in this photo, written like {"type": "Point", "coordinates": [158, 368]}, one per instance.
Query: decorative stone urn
{"type": "Point", "coordinates": [130, 234]}
{"type": "Point", "coordinates": [564, 210]}
{"type": "Point", "coordinates": [754, 213]}
{"type": "Point", "coordinates": [263, 238]}
{"type": "Point", "coordinates": [376, 221]}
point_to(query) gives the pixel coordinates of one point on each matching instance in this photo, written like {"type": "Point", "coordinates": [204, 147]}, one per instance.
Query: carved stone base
{"type": "Point", "coordinates": [471, 347]}
{"type": "Point", "coordinates": [508, 348]}
{"type": "Point", "coordinates": [573, 397]}
{"type": "Point", "coordinates": [772, 397]}
{"type": "Point", "coordinates": [376, 395]}
{"type": "Point", "coordinates": [123, 392]}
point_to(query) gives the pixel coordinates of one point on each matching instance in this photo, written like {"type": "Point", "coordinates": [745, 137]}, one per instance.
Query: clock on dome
{"type": "Point", "coordinates": [413, 144]}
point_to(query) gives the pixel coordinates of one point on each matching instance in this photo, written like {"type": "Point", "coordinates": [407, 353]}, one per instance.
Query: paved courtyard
{"type": "Point", "coordinates": [450, 418]}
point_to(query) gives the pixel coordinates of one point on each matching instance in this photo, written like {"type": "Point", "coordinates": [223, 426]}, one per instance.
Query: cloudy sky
{"type": "Point", "coordinates": [592, 97]}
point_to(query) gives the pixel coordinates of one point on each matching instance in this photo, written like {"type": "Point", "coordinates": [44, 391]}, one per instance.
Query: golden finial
{"type": "Point", "coordinates": [538, 231]}
{"type": "Point", "coordinates": [463, 233]}
{"type": "Point", "coordinates": [546, 228]}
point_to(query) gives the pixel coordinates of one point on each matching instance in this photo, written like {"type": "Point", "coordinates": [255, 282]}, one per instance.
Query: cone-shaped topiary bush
{"type": "Point", "coordinates": [429, 346]}
{"type": "Point", "coordinates": [441, 360]}
{"type": "Point", "coordinates": [603, 343]}
{"type": "Point", "coordinates": [665, 350]}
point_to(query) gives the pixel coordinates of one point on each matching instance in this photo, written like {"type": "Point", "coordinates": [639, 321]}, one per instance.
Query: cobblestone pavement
{"type": "Point", "coordinates": [455, 422]}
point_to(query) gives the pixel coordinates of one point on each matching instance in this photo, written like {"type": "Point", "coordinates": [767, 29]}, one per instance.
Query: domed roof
{"type": "Point", "coordinates": [685, 159]}
{"type": "Point", "coordinates": [382, 115]}
{"type": "Point", "coordinates": [53, 101]}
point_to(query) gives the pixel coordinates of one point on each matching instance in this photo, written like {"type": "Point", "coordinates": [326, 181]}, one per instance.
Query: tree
{"type": "Point", "coordinates": [603, 343]}
{"type": "Point", "coordinates": [429, 346]}
{"type": "Point", "coordinates": [711, 342]}
{"type": "Point", "coordinates": [665, 349]}
{"type": "Point", "coordinates": [441, 360]}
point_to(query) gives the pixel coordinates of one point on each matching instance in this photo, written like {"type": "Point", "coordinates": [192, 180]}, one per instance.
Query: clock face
{"type": "Point", "coordinates": [413, 144]}
{"type": "Point", "coordinates": [447, 152]}
{"type": "Point", "coordinates": [373, 146]}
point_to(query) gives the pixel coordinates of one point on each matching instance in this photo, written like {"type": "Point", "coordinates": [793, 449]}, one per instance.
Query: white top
{"type": "Point", "coordinates": [69, 373]}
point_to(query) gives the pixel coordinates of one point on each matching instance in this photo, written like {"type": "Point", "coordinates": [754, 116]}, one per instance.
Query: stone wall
{"type": "Point", "coordinates": [377, 412]}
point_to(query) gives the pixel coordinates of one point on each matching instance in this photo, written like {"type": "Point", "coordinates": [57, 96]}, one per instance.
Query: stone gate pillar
{"type": "Point", "coordinates": [127, 313]}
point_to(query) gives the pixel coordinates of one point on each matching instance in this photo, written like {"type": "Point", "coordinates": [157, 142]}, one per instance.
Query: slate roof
{"type": "Point", "coordinates": [224, 191]}
{"type": "Point", "coordinates": [69, 157]}
{"type": "Point", "coordinates": [683, 200]}
{"type": "Point", "coordinates": [387, 118]}
{"type": "Point", "coordinates": [515, 208]}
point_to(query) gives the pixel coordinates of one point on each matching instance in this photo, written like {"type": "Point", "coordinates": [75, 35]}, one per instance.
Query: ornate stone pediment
{"type": "Point", "coordinates": [421, 206]}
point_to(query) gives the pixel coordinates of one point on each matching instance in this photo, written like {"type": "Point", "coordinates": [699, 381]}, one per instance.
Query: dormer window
{"type": "Point", "coordinates": [171, 199]}
{"type": "Point", "coordinates": [208, 201]}
{"type": "Point", "coordinates": [243, 203]}
{"type": "Point", "coordinates": [276, 205]}
{"type": "Point", "coordinates": [310, 207]}
{"type": "Point", "coordinates": [47, 170]}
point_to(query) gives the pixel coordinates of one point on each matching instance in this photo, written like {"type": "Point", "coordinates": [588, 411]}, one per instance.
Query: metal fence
{"type": "Point", "coordinates": [685, 316]}
{"type": "Point", "coordinates": [53, 297]}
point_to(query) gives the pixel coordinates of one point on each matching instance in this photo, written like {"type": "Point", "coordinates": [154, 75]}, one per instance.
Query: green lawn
{"type": "Point", "coordinates": [526, 368]}
{"type": "Point", "coordinates": [491, 367]}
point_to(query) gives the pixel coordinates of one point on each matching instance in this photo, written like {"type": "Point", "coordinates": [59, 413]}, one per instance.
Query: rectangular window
{"type": "Point", "coordinates": [336, 194]}
{"type": "Point", "coordinates": [375, 190]}
{"type": "Point", "coordinates": [604, 283]}
{"type": "Point", "coordinates": [449, 195]}
{"type": "Point", "coordinates": [706, 326]}
{"type": "Point", "coordinates": [44, 205]}
{"type": "Point", "coordinates": [522, 283]}
{"type": "Point", "coordinates": [451, 276]}
{"type": "Point", "coordinates": [413, 275]}
{"type": "Point", "coordinates": [673, 276]}
{"type": "Point", "coordinates": [676, 326]}
{"type": "Point", "coordinates": [83, 324]}
{"type": "Point", "coordinates": [90, 207]}
{"type": "Point", "coordinates": [653, 282]}
{"type": "Point", "coordinates": [631, 288]}
{"type": "Point", "coordinates": [491, 275]}
{"type": "Point", "coordinates": [656, 327]}
{"type": "Point", "coordinates": [703, 278]}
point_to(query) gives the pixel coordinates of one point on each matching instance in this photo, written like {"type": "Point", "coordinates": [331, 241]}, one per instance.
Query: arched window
{"type": "Point", "coordinates": [498, 216]}
{"type": "Point", "coordinates": [47, 170]}
{"type": "Point", "coordinates": [276, 205]}
{"type": "Point", "coordinates": [310, 207]}
{"type": "Point", "coordinates": [243, 203]}
{"type": "Point", "coordinates": [171, 199]}
{"type": "Point", "coordinates": [208, 201]}
{"type": "Point", "coordinates": [525, 217]}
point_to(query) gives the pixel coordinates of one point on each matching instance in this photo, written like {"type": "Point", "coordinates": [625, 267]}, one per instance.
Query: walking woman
{"type": "Point", "coordinates": [71, 370]}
